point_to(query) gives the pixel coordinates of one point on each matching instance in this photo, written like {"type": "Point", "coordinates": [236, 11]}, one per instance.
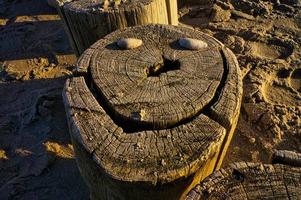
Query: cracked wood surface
{"type": "Point", "coordinates": [250, 181]}
{"type": "Point", "coordinates": [185, 82]}
{"type": "Point", "coordinates": [152, 127]}
{"type": "Point", "coordinates": [86, 21]}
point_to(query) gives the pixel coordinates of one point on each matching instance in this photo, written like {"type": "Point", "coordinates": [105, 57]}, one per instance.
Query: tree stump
{"type": "Point", "coordinates": [86, 21]}
{"type": "Point", "coordinates": [250, 181]}
{"type": "Point", "coordinates": [152, 121]}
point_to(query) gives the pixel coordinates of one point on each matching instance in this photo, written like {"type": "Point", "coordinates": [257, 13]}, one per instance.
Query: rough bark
{"type": "Point", "coordinates": [152, 121]}
{"type": "Point", "coordinates": [86, 21]}
{"type": "Point", "coordinates": [250, 181]}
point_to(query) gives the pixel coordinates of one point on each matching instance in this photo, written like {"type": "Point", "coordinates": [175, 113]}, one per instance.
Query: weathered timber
{"type": "Point", "coordinates": [287, 157]}
{"type": "Point", "coordinates": [86, 21]}
{"type": "Point", "coordinates": [250, 181]}
{"type": "Point", "coordinates": [152, 121]}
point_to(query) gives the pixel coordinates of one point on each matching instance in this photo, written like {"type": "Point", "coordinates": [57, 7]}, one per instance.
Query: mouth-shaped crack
{"type": "Point", "coordinates": [162, 67]}
{"type": "Point", "coordinates": [156, 70]}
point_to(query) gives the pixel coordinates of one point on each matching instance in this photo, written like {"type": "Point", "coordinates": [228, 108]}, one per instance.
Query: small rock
{"type": "Point", "coordinates": [129, 43]}
{"type": "Point", "coordinates": [238, 45]}
{"type": "Point", "coordinates": [220, 15]}
{"type": "Point", "coordinates": [192, 44]}
{"type": "Point", "coordinates": [280, 110]}
{"type": "Point", "coordinates": [252, 140]}
{"type": "Point", "coordinates": [240, 14]}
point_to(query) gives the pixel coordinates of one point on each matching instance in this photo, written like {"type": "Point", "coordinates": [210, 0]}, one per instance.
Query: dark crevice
{"type": "Point", "coordinates": [128, 125]}
{"type": "Point", "coordinates": [213, 116]}
{"type": "Point", "coordinates": [131, 126]}
{"type": "Point", "coordinates": [162, 67]}
{"type": "Point", "coordinates": [283, 73]}
{"type": "Point", "coordinates": [237, 175]}
{"type": "Point", "coordinates": [207, 111]}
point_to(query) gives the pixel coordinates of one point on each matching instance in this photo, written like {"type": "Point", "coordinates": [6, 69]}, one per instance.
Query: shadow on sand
{"type": "Point", "coordinates": [36, 155]}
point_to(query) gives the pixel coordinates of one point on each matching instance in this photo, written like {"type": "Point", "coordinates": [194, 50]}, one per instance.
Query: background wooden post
{"type": "Point", "coordinates": [152, 121]}
{"type": "Point", "coordinates": [86, 21]}
{"type": "Point", "coordinates": [172, 10]}
{"type": "Point", "coordinates": [250, 181]}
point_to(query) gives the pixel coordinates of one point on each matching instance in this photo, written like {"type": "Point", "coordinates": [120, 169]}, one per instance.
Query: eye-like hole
{"type": "Point", "coordinates": [283, 73]}
{"type": "Point", "coordinates": [162, 67]}
{"type": "Point", "coordinates": [237, 175]}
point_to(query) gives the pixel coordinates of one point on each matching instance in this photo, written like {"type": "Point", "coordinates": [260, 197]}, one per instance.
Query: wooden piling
{"type": "Point", "coordinates": [86, 21]}
{"type": "Point", "coordinates": [150, 122]}
{"type": "Point", "coordinates": [250, 181]}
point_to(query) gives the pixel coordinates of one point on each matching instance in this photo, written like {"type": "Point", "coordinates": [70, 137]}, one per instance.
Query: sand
{"type": "Point", "coordinates": [36, 155]}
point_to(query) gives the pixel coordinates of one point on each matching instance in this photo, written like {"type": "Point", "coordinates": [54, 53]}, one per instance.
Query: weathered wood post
{"type": "Point", "coordinates": [150, 119]}
{"type": "Point", "coordinates": [86, 21]}
{"type": "Point", "coordinates": [286, 157]}
{"type": "Point", "coordinates": [250, 181]}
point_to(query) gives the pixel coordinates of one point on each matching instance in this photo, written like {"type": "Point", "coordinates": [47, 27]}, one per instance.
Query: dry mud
{"type": "Point", "coordinates": [36, 155]}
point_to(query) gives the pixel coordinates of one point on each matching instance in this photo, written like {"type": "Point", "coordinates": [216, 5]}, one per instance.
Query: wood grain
{"type": "Point", "coordinates": [142, 118]}
{"type": "Point", "coordinates": [287, 157]}
{"type": "Point", "coordinates": [86, 21]}
{"type": "Point", "coordinates": [250, 181]}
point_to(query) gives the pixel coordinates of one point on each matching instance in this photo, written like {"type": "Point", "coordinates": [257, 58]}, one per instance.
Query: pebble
{"type": "Point", "coordinates": [192, 44]}
{"type": "Point", "coordinates": [252, 140]}
{"type": "Point", "coordinates": [129, 43]}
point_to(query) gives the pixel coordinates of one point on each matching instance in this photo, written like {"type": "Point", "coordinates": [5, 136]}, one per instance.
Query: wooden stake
{"type": "Point", "coordinates": [160, 115]}
{"type": "Point", "coordinates": [172, 10]}
{"type": "Point", "coordinates": [250, 181]}
{"type": "Point", "coordinates": [86, 21]}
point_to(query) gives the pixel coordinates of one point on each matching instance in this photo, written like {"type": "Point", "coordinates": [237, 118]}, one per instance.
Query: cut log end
{"type": "Point", "coordinates": [250, 181]}
{"type": "Point", "coordinates": [149, 120]}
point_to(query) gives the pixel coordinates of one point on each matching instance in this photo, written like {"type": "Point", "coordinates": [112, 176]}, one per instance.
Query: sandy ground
{"type": "Point", "coordinates": [265, 36]}
{"type": "Point", "coordinates": [36, 156]}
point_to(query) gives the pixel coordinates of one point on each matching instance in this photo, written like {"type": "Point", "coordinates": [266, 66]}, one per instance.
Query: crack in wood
{"type": "Point", "coordinates": [131, 127]}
